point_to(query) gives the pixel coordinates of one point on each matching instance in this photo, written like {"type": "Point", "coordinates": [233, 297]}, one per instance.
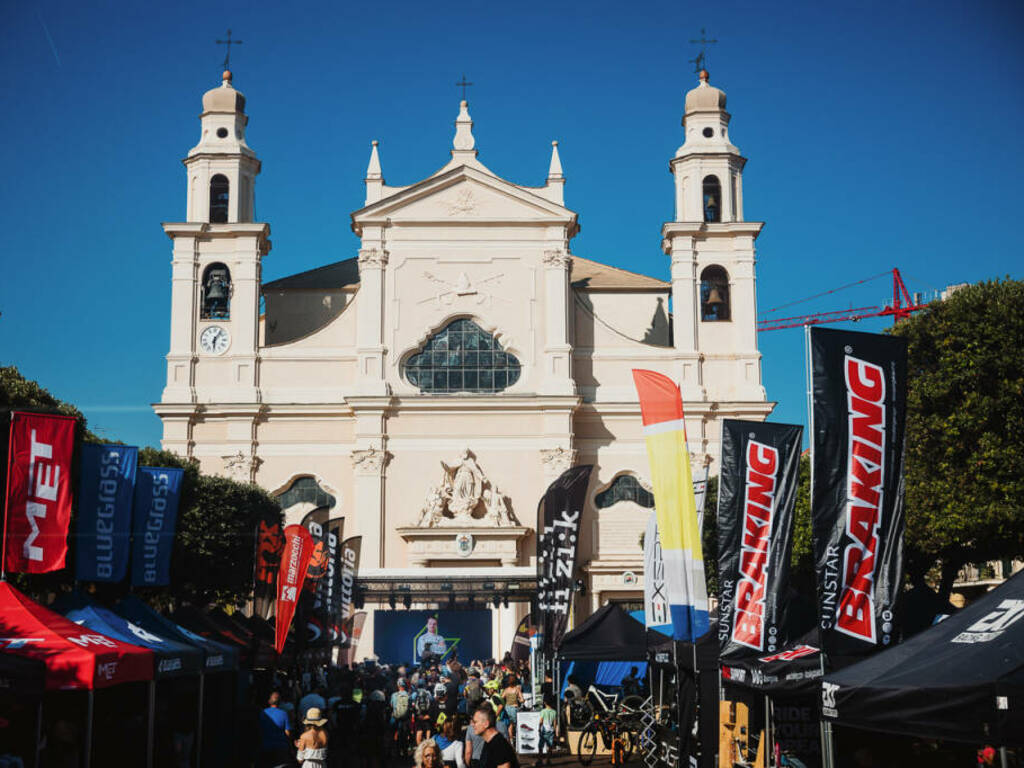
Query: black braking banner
{"type": "Point", "coordinates": [557, 546]}
{"type": "Point", "coordinates": [756, 498]}
{"type": "Point", "coordinates": [859, 423]}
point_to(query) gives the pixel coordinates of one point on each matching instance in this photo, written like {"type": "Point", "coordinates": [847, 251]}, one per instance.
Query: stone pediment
{"type": "Point", "coordinates": [462, 195]}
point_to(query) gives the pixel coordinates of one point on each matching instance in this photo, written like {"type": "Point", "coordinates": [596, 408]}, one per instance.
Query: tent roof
{"type": "Point", "coordinates": [217, 657]}
{"type": "Point", "coordinates": [610, 634]}
{"type": "Point", "coordinates": [962, 679]}
{"type": "Point", "coordinates": [75, 658]}
{"type": "Point", "coordinates": [174, 658]}
{"type": "Point", "coordinates": [21, 674]}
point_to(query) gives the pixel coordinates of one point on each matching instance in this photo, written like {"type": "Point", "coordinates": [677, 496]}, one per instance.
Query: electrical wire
{"type": "Point", "coordinates": [826, 293]}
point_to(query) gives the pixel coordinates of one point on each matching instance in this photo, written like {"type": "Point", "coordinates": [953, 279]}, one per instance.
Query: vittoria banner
{"type": "Point", "coordinates": [104, 526]}
{"type": "Point", "coordinates": [350, 549]}
{"type": "Point", "coordinates": [154, 517]}
{"type": "Point", "coordinates": [756, 498]}
{"type": "Point", "coordinates": [329, 595]}
{"type": "Point", "coordinates": [269, 546]}
{"type": "Point", "coordinates": [859, 420]}
{"type": "Point", "coordinates": [298, 548]}
{"type": "Point", "coordinates": [557, 547]}
{"type": "Point", "coordinates": [38, 494]}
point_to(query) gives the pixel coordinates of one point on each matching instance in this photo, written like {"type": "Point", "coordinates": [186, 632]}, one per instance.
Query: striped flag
{"type": "Point", "coordinates": [661, 407]}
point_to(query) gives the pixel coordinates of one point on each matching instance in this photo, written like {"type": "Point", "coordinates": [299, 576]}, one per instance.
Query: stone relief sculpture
{"type": "Point", "coordinates": [465, 497]}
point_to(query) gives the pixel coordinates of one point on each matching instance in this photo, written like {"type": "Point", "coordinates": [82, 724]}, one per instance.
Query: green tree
{"type": "Point", "coordinates": [965, 401]}
{"type": "Point", "coordinates": [18, 392]}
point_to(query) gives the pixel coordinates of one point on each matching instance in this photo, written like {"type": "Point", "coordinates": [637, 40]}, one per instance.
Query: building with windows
{"type": "Point", "coordinates": [431, 386]}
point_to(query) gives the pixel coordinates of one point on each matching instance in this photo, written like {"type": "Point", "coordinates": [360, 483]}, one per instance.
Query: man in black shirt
{"type": "Point", "coordinates": [497, 753]}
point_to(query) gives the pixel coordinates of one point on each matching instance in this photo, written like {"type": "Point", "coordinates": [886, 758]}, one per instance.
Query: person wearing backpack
{"type": "Point", "coordinates": [425, 712]}
{"type": "Point", "coordinates": [474, 692]}
{"type": "Point", "coordinates": [400, 716]}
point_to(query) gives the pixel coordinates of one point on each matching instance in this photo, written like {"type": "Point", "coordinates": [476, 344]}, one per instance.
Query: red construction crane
{"type": "Point", "coordinates": [903, 305]}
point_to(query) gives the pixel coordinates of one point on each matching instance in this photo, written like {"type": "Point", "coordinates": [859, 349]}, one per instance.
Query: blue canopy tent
{"type": "Point", "coordinates": [217, 657]}
{"type": "Point", "coordinates": [173, 659]}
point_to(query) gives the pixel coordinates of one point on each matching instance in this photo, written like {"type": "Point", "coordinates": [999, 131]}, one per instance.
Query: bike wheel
{"type": "Point", "coordinates": [586, 749]}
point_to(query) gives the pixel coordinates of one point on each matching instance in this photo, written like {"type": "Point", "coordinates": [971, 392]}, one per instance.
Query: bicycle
{"type": "Point", "coordinates": [618, 738]}
{"type": "Point", "coordinates": [595, 701]}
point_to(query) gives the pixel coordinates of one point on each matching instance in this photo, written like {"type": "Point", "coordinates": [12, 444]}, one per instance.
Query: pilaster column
{"type": "Point", "coordinates": [368, 466]}
{"type": "Point", "coordinates": [181, 354]}
{"type": "Point", "coordinates": [557, 378]}
{"type": "Point", "coordinates": [681, 248]}
{"type": "Point", "coordinates": [370, 322]}
{"type": "Point", "coordinates": [244, 323]}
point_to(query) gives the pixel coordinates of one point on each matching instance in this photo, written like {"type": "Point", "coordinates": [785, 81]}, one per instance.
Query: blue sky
{"type": "Point", "coordinates": [879, 134]}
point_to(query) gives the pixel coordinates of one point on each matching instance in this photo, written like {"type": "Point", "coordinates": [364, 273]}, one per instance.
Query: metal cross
{"type": "Point", "coordinates": [464, 84]}
{"type": "Point", "coordinates": [700, 62]}
{"type": "Point", "coordinates": [229, 42]}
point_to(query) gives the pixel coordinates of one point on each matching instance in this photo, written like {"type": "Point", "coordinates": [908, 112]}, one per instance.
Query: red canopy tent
{"type": "Point", "coordinates": [75, 657]}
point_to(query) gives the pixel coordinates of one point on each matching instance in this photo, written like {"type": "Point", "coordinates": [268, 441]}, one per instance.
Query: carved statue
{"type": "Point", "coordinates": [497, 508]}
{"type": "Point", "coordinates": [433, 508]}
{"type": "Point", "coordinates": [467, 485]}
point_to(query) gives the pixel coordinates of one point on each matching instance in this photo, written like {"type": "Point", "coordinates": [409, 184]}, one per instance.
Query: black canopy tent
{"type": "Point", "coordinates": [610, 634]}
{"type": "Point", "coordinates": [961, 680]}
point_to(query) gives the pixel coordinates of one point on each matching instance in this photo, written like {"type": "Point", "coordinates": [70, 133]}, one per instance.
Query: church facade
{"type": "Point", "coordinates": [431, 386]}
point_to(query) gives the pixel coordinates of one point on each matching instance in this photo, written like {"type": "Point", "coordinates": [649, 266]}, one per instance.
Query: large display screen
{"type": "Point", "coordinates": [404, 636]}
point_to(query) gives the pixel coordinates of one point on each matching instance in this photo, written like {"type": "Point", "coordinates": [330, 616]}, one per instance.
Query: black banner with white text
{"type": "Point", "coordinates": [557, 547]}
{"type": "Point", "coordinates": [757, 496]}
{"type": "Point", "coordinates": [857, 515]}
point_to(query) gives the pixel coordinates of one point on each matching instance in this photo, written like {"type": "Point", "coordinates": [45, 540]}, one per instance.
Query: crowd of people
{"type": "Point", "coordinates": [439, 713]}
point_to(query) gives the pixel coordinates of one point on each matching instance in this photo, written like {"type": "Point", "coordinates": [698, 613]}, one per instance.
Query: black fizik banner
{"type": "Point", "coordinates": [756, 498]}
{"type": "Point", "coordinates": [857, 517]}
{"type": "Point", "coordinates": [557, 546]}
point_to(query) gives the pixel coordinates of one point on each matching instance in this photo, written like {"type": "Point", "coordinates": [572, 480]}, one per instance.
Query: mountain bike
{"type": "Point", "coordinates": [616, 736]}
{"type": "Point", "coordinates": [595, 701]}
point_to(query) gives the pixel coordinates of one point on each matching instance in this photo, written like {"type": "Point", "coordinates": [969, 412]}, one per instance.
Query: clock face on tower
{"type": "Point", "coordinates": [214, 340]}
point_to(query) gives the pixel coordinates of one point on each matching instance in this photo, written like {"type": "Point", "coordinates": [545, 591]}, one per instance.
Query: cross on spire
{"type": "Point", "coordinates": [228, 43]}
{"type": "Point", "coordinates": [463, 85]}
{"type": "Point", "coordinates": [700, 61]}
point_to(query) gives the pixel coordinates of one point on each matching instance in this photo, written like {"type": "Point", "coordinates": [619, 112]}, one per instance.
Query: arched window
{"type": "Point", "coordinates": [714, 294]}
{"type": "Point", "coordinates": [219, 189]}
{"type": "Point", "coordinates": [624, 488]}
{"type": "Point", "coordinates": [462, 357]}
{"type": "Point", "coordinates": [712, 199]}
{"type": "Point", "coordinates": [216, 299]}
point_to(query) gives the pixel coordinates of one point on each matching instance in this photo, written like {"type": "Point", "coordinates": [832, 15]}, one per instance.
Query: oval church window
{"type": "Point", "coordinates": [462, 357]}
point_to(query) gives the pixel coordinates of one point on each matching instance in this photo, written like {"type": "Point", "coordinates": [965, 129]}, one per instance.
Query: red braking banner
{"type": "Point", "coordinates": [38, 497]}
{"type": "Point", "coordinates": [298, 547]}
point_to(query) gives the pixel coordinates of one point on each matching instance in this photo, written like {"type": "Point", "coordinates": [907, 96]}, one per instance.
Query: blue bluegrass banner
{"type": "Point", "coordinates": [155, 513]}
{"type": "Point", "coordinates": [105, 511]}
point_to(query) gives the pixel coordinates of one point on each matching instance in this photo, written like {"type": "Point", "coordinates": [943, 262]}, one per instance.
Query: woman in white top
{"type": "Point", "coordinates": [451, 748]}
{"type": "Point", "coordinates": [312, 744]}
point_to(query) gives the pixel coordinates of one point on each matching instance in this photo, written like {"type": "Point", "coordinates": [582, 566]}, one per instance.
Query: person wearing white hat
{"type": "Point", "coordinates": [312, 744]}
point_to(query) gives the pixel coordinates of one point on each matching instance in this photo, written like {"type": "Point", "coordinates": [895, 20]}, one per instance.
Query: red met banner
{"type": "Point", "coordinates": [298, 547]}
{"type": "Point", "coordinates": [38, 497]}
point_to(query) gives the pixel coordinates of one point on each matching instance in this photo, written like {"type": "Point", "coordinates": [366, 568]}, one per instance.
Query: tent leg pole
{"type": "Point", "coordinates": [768, 730]}
{"type": "Point", "coordinates": [1002, 757]}
{"type": "Point", "coordinates": [199, 722]}
{"type": "Point", "coordinates": [151, 726]}
{"type": "Point", "coordinates": [827, 756]}
{"type": "Point", "coordinates": [88, 729]}
{"type": "Point", "coordinates": [39, 730]}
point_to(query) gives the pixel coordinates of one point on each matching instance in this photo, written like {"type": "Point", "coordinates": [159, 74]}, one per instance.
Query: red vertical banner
{"type": "Point", "coordinates": [38, 496]}
{"type": "Point", "coordinates": [298, 547]}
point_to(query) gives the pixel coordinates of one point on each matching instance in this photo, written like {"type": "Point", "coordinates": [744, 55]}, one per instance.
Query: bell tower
{"type": "Point", "coordinates": [216, 270]}
{"type": "Point", "coordinates": [714, 305]}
